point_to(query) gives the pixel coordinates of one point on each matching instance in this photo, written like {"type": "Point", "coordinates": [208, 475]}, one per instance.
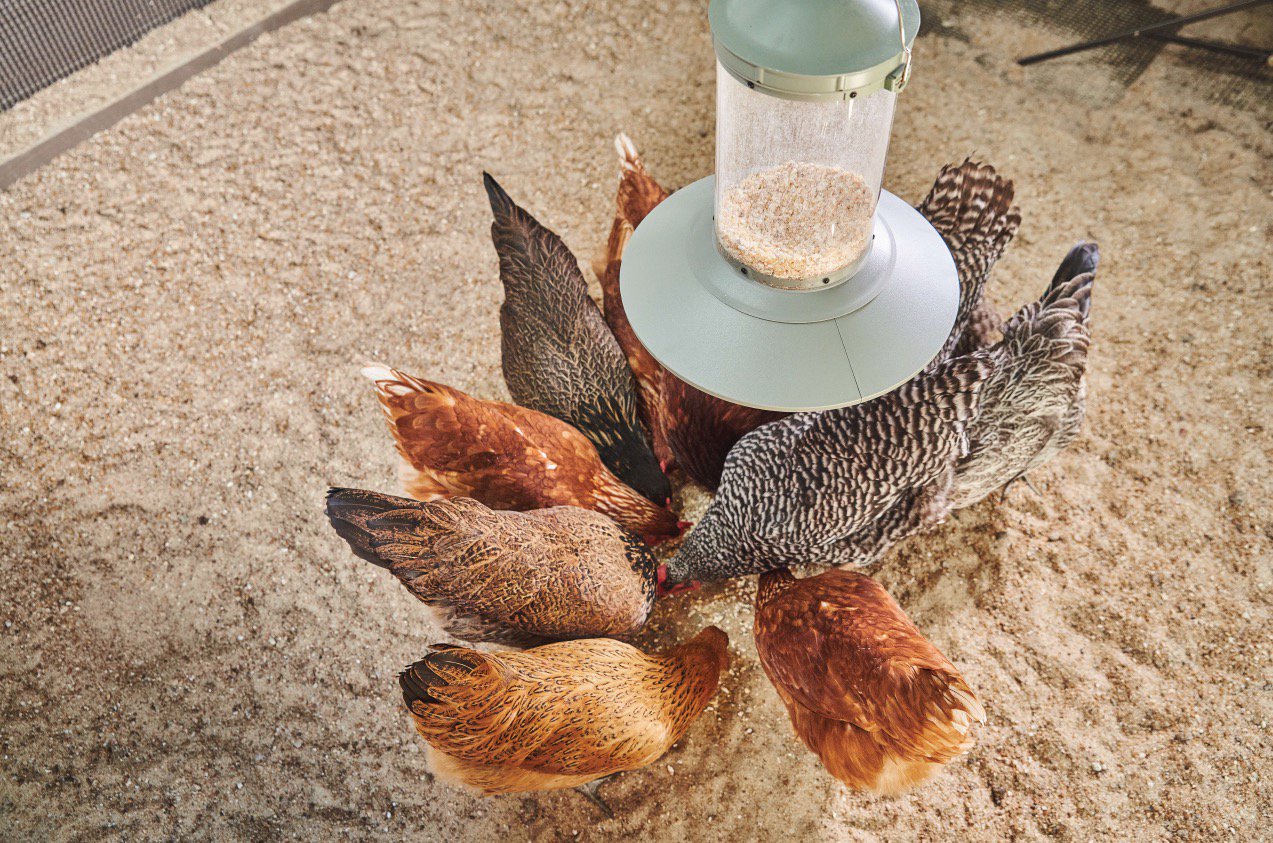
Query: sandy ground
{"type": "Point", "coordinates": [189, 653]}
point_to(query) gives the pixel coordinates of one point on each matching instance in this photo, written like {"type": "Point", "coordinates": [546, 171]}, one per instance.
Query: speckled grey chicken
{"type": "Point", "coordinates": [559, 356]}
{"type": "Point", "coordinates": [970, 205]}
{"type": "Point", "coordinates": [839, 486]}
{"type": "Point", "coordinates": [1032, 406]}
{"type": "Point", "coordinates": [519, 578]}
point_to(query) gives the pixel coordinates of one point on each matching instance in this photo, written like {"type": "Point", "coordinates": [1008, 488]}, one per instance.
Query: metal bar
{"type": "Point", "coordinates": [1213, 46]}
{"type": "Point", "coordinates": [1136, 33]}
{"type": "Point", "coordinates": [90, 123]}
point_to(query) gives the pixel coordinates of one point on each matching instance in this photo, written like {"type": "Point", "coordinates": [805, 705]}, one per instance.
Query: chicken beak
{"type": "Point", "coordinates": [661, 589]}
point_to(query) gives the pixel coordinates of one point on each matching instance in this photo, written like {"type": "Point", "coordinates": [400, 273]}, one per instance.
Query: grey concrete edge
{"type": "Point", "coordinates": [83, 127]}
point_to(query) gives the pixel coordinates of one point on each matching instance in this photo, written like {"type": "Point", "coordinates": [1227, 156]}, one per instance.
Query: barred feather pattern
{"type": "Point", "coordinates": [560, 715]}
{"type": "Point", "coordinates": [505, 577]}
{"type": "Point", "coordinates": [837, 487]}
{"type": "Point", "coordinates": [1033, 405]}
{"type": "Point", "coordinates": [866, 692]}
{"type": "Point", "coordinates": [984, 329]}
{"type": "Point", "coordinates": [558, 354]}
{"type": "Point", "coordinates": [970, 205]}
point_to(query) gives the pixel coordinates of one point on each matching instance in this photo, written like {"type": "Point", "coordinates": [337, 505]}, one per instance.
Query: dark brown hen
{"type": "Point", "coordinates": [508, 577]}
{"type": "Point", "coordinates": [558, 355]}
{"type": "Point", "coordinates": [638, 194]}
{"type": "Point", "coordinates": [867, 693]}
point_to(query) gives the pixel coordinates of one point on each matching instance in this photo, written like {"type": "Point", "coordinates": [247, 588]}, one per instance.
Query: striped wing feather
{"type": "Point", "coordinates": [970, 205]}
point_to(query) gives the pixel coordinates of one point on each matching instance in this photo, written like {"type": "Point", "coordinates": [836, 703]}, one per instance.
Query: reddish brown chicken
{"type": "Point", "coordinates": [688, 428]}
{"type": "Point", "coordinates": [701, 429]}
{"type": "Point", "coordinates": [874, 699]}
{"type": "Point", "coordinates": [505, 456]}
{"type": "Point", "coordinates": [638, 194]}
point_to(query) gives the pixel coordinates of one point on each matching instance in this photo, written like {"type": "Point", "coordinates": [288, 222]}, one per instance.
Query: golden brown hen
{"type": "Point", "coordinates": [563, 715]}
{"type": "Point", "coordinates": [505, 456]}
{"type": "Point", "coordinates": [518, 578]}
{"type": "Point", "coordinates": [638, 194]}
{"type": "Point", "coordinates": [878, 703]}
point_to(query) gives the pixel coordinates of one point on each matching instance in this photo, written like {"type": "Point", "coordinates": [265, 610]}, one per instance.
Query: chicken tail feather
{"type": "Point", "coordinates": [1081, 259]}
{"type": "Point", "coordinates": [350, 510]}
{"type": "Point", "coordinates": [1073, 278]}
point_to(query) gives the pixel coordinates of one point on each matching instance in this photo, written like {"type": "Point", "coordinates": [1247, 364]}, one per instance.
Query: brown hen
{"type": "Point", "coordinates": [505, 456]}
{"type": "Point", "coordinates": [701, 429]}
{"type": "Point", "coordinates": [563, 715]}
{"type": "Point", "coordinates": [688, 427]}
{"type": "Point", "coordinates": [518, 578]}
{"type": "Point", "coordinates": [867, 693]}
{"type": "Point", "coordinates": [637, 196]}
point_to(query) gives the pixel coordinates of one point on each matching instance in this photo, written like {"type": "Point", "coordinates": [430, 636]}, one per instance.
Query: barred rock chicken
{"type": "Point", "coordinates": [558, 716]}
{"type": "Point", "coordinates": [867, 693]}
{"type": "Point", "coordinates": [559, 357]}
{"type": "Point", "coordinates": [690, 429]}
{"type": "Point", "coordinates": [505, 456]}
{"type": "Point", "coordinates": [970, 205]}
{"type": "Point", "coordinates": [507, 577]}
{"type": "Point", "coordinates": [836, 487]}
{"type": "Point", "coordinates": [1032, 406]}
{"type": "Point", "coordinates": [637, 196]}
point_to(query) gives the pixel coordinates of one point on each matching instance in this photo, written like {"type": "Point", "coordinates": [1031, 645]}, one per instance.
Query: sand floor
{"type": "Point", "coordinates": [188, 652]}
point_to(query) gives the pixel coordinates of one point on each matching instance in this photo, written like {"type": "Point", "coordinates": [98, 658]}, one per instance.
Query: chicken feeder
{"type": "Point", "coordinates": [790, 280]}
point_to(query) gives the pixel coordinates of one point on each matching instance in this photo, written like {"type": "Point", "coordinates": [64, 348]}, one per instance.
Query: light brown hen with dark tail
{"type": "Point", "coordinates": [563, 715]}
{"type": "Point", "coordinates": [508, 577]}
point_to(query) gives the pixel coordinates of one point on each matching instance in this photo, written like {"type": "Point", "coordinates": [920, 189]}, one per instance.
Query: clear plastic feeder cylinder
{"type": "Point", "coordinates": [797, 182]}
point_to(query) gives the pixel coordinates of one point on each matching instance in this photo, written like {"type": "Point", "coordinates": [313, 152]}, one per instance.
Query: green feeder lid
{"type": "Point", "coordinates": [816, 49]}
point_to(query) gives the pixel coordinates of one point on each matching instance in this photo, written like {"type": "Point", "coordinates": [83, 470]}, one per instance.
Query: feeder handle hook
{"type": "Point", "coordinates": [906, 50]}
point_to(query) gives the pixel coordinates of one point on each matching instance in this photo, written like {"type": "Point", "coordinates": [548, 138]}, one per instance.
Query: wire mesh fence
{"type": "Point", "coordinates": [42, 41]}
{"type": "Point", "coordinates": [1105, 74]}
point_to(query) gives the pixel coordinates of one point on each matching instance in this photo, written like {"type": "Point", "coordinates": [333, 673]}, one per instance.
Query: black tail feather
{"type": "Point", "coordinates": [1073, 278]}
{"type": "Point", "coordinates": [501, 204]}
{"type": "Point", "coordinates": [416, 681]}
{"type": "Point", "coordinates": [422, 676]}
{"type": "Point", "coordinates": [1080, 260]}
{"type": "Point", "coordinates": [349, 510]}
